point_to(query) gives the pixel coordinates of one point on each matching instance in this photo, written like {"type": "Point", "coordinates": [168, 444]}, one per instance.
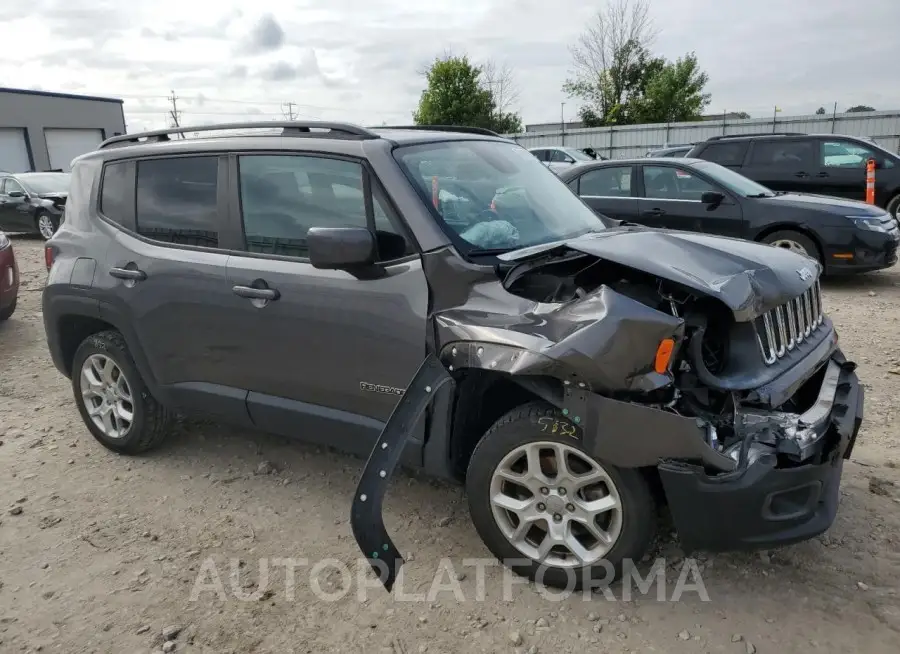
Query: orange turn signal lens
{"type": "Point", "coordinates": [664, 355]}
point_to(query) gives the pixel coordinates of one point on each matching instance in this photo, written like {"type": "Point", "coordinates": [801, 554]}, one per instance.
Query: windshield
{"type": "Point", "coordinates": [733, 181]}
{"type": "Point", "coordinates": [495, 196]}
{"type": "Point", "coordinates": [578, 155]}
{"type": "Point", "coordinates": [46, 182]}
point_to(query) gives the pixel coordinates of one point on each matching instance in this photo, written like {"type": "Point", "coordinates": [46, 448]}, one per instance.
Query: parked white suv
{"type": "Point", "coordinates": [559, 158]}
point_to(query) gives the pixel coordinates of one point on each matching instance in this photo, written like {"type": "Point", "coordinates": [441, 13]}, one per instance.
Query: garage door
{"type": "Point", "coordinates": [13, 151]}
{"type": "Point", "coordinates": [63, 145]}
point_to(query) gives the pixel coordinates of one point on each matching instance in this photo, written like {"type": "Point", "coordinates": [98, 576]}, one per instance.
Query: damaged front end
{"type": "Point", "coordinates": [710, 360]}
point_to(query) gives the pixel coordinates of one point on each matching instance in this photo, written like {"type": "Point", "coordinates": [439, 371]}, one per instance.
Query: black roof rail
{"type": "Point", "coordinates": [463, 129]}
{"type": "Point", "coordinates": [288, 128]}
{"type": "Point", "coordinates": [737, 136]}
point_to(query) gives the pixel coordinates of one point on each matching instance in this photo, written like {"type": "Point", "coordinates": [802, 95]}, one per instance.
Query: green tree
{"type": "Point", "coordinates": [458, 95]}
{"type": "Point", "coordinates": [673, 93]}
{"type": "Point", "coordinates": [860, 107]}
{"type": "Point", "coordinates": [820, 111]}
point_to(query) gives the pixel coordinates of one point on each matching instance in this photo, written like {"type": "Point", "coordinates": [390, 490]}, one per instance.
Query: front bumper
{"type": "Point", "coordinates": [765, 502]}
{"type": "Point", "coordinates": [870, 251]}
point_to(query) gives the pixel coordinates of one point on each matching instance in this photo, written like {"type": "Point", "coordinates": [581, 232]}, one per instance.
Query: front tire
{"type": "Point", "coordinates": [6, 314]}
{"type": "Point", "coordinates": [113, 400]}
{"type": "Point", "coordinates": [893, 207]}
{"type": "Point", "coordinates": [548, 510]}
{"type": "Point", "coordinates": [795, 242]}
{"type": "Point", "coordinates": [46, 224]}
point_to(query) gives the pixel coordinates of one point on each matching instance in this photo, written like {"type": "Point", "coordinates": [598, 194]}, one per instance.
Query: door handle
{"type": "Point", "coordinates": [653, 212]}
{"type": "Point", "coordinates": [801, 174]}
{"type": "Point", "coordinates": [256, 293]}
{"type": "Point", "coordinates": [823, 175]}
{"type": "Point", "coordinates": [128, 273]}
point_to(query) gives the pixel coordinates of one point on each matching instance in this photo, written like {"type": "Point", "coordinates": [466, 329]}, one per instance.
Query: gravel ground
{"type": "Point", "coordinates": [102, 553]}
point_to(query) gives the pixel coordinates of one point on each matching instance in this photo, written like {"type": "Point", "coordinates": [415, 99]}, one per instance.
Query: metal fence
{"type": "Point", "coordinates": [883, 127]}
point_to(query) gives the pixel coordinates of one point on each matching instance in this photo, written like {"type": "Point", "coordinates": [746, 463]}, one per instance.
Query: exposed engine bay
{"type": "Point", "coordinates": [715, 369]}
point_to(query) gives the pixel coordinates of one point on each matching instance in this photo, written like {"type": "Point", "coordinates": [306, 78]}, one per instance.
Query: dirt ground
{"type": "Point", "coordinates": [101, 553]}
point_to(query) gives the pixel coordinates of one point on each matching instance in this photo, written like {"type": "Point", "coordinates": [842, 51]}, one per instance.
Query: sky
{"type": "Point", "coordinates": [362, 60]}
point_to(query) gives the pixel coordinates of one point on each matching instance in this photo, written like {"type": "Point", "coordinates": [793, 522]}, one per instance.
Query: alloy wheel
{"type": "Point", "coordinates": [45, 226]}
{"type": "Point", "coordinates": [107, 397]}
{"type": "Point", "coordinates": [788, 244]}
{"type": "Point", "coordinates": [556, 505]}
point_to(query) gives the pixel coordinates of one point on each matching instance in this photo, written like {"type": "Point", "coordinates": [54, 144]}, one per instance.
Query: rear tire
{"type": "Point", "coordinates": [6, 314]}
{"type": "Point", "coordinates": [795, 241]}
{"type": "Point", "coordinates": [113, 399]}
{"type": "Point", "coordinates": [618, 506]}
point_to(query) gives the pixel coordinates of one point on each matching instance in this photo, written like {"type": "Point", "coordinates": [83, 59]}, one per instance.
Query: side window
{"type": "Point", "coordinates": [283, 196]}
{"type": "Point", "coordinates": [176, 200]}
{"type": "Point", "coordinates": [558, 156]}
{"type": "Point", "coordinates": [725, 153]}
{"type": "Point", "coordinates": [782, 154]}
{"type": "Point", "coordinates": [115, 193]}
{"type": "Point", "coordinates": [846, 154]}
{"type": "Point", "coordinates": [12, 186]}
{"type": "Point", "coordinates": [573, 185]}
{"type": "Point", "coordinates": [667, 183]}
{"type": "Point", "coordinates": [541, 155]}
{"type": "Point", "coordinates": [612, 181]}
{"type": "Point", "coordinates": [3, 185]}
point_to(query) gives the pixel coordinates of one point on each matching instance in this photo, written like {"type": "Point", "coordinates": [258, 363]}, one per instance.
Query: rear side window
{"type": "Point", "coordinates": [725, 154]}
{"type": "Point", "coordinates": [115, 194]}
{"type": "Point", "coordinates": [177, 200]}
{"type": "Point", "coordinates": [607, 182]}
{"type": "Point", "coordinates": [782, 154]}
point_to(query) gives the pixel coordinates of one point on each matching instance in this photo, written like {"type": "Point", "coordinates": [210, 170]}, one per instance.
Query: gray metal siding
{"type": "Point", "coordinates": [634, 140]}
{"type": "Point", "coordinates": [34, 112]}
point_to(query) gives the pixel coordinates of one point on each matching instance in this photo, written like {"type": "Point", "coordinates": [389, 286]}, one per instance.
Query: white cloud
{"type": "Point", "coordinates": [360, 60]}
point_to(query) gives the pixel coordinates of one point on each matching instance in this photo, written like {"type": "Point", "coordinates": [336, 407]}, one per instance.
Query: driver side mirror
{"type": "Point", "coordinates": [712, 198]}
{"type": "Point", "coordinates": [352, 249]}
{"type": "Point", "coordinates": [16, 194]}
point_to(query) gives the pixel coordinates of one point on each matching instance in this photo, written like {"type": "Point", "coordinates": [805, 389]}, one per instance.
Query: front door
{"type": "Point", "coordinates": [15, 210]}
{"type": "Point", "coordinates": [609, 192]}
{"type": "Point", "coordinates": [325, 355]}
{"type": "Point", "coordinates": [672, 198]}
{"type": "Point", "coordinates": [842, 169]}
{"type": "Point", "coordinates": [164, 280]}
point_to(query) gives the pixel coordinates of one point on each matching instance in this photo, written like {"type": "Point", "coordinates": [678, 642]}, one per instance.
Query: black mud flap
{"type": "Point", "coordinates": [365, 515]}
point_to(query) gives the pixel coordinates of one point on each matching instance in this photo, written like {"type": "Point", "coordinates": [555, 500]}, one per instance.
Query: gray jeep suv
{"type": "Point", "coordinates": [437, 298]}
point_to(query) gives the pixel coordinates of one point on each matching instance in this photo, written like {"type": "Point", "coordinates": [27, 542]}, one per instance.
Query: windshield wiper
{"type": "Point", "coordinates": [484, 252]}
{"type": "Point", "coordinates": [761, 195]}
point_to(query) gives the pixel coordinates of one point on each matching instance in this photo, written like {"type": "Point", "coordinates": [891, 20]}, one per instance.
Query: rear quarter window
{"type": "Point", "coordinates": [116, 199]}
{"type": "Point", "coordinates": [725, 154]}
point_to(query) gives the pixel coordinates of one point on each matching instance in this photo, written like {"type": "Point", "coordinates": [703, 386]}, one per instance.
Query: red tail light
{"type": "Point", "coordinates": [49, 256]}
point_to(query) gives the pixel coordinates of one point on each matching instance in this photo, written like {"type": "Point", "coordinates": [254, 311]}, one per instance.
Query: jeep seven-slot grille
{"type": "Point", "coordinates": [783, 328]}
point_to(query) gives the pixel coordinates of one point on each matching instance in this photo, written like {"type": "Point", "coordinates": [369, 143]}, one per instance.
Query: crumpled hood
{"type": "Point", "coordinates": [750, 278]}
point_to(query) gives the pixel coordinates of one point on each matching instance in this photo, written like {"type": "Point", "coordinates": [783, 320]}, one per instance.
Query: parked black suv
{"type": "Point", "coordinates": [826, 164]}
{"type": "Point", "coordinates": [439, 298]}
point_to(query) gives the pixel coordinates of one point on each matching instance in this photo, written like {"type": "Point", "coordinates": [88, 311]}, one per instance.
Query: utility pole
{"type": "Point", "coordinates": [562, 121]}
{"type": "Point", "coordinates": [174, 113]}
{"type": "Point", "coordinates": [288, 109]}
{"type": "Point", "coordinates": [833, 117]}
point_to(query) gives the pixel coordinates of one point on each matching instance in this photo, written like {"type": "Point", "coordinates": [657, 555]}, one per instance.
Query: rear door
{"type": "Point", "coordinates": [784, 164]}
{"type": "Point", "coordinates": [164, 279]}
{"type": "Point", "coordinates": [609, 191]}
{"type": "Point", "coordinates": [329, 354]}
{"type": "Point", "coordinates": [671, 199]}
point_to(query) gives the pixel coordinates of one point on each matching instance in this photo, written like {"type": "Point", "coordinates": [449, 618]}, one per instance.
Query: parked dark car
{"type": "Point", "coordinates": [674, 151]}
{"type": "Point", "coordinates": [700, 196]}
{"type": "Point", "coordinates": [438, 297]}
{"type": "Point", "coordinates": [33, 202]}
{"type": "Point", "coordinates": [9, 278]}
{"type": "Point", "coordinates": [826, 164]}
